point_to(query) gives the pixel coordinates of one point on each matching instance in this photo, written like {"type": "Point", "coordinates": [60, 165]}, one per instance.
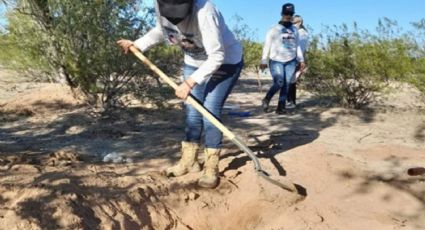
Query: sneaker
{"type": "Point", "coordinates": [291, 105]}
{"type": "Point", "coordinates": [265, 104]}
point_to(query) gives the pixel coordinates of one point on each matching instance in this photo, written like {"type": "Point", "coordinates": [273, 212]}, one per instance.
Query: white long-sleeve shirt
{"type": "Point", "coordinates": [282, 44]}
{"type": "Point", "coordinates": [304, 39]}
{"type": "Point", "coordinates": [204, 37]}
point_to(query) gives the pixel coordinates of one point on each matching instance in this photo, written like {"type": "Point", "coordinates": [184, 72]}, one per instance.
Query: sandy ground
{"type": "Point", "coordinates": [349, 165]}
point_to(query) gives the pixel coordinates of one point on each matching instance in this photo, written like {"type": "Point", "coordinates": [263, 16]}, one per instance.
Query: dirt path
{"type": "Point", "coordinates": [351, 164]}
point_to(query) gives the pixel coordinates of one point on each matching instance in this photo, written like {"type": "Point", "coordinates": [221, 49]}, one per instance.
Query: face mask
{"type": "Point", "coordinates": [175, 21]}
{"type": "Point", "coordinates": [175, 11]}
{"type": "Point", "coordinates": [287, 24]}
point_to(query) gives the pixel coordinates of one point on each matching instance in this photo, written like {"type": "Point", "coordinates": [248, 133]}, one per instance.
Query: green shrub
{"type": "Point", "coordinates": [351, 65]}
{"type": "Point", "coordinates": [75, 41]}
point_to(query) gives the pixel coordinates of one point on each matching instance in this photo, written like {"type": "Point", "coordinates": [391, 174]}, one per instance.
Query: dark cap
{"type": "Point", "coordinates": [288, 9]}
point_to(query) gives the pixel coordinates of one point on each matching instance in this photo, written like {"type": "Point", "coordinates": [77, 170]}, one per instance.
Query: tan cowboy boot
{"type": "Point", "coordinates": [209, 179]}
{"type": "Point", "coordinates": [188, 161]}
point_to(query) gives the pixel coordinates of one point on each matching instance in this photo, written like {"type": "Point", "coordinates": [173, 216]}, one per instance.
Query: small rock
{"type": "Point", "coordinates": [204, 204]}
{"type": "Point", "coordinates": [193, 196]}
{"type": "Point", "coordinates": [112, 157]}
{"type": "Point", "coordinates": [74, 130]}
{"type": "Point", "coordinates": [153, 199]}
{"type": "Point", "coordinates": [73, 197]}
{"type": "Point", "coordinates": [129, 160]}
{"type": "Point", "coordinates": [116, 158]}
{"type": "Point", "coordinates": [417, 171]}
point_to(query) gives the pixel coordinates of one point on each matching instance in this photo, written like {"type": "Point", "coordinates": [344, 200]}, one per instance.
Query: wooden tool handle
{"type": "Point", "coordinates": [288, 185]}
{"type": "Point", "coordinates": [189, 99]}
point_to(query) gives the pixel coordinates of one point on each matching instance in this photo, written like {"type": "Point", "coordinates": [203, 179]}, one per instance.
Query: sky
{"type": "Point", "coordinates": [260, 15]}
{"type": "Point", "coordinates": [2, 17]}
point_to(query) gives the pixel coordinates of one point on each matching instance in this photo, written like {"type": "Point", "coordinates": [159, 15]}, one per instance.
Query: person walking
{"type": "Point", "coordinates": [282, 52]}
{"type": "Point", "coordinates": [304, 42]}
{"type": "Point", "coordinates": [212, 65]}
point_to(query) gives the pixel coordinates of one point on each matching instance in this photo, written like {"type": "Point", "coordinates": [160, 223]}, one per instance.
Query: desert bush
{"type": "Point", "coordinates": [75, 41]}
{"type": "Point", "coordinates": [19, 50]}
{"type": "Point", "coordinates": [350, 65]}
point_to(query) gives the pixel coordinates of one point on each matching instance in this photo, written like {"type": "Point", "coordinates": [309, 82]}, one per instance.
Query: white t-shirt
{"type": "Point", "coordinates": [282, 44]}
{"type": "Point", "coordinates": [204, 37]}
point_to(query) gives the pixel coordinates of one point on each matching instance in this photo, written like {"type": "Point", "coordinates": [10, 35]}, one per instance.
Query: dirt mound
{"type": "Point", "coordinates": [54, 200]}
{"type": "Point", "coordinates": [62, 157]}
{"type": "Point", "coordinates": [400, 96]}
{"type": "Point", "coordinates": [48, 99]}
{"type": "Point", "coordinates": [86, 196]}
{"type": "Point", "coordinates": [59, 191]}
{"type": "Point", "coordinates": [351, 165]}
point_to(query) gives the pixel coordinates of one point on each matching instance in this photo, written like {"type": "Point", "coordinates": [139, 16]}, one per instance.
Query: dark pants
{"type": "Point", "coordinates": [292, 93]}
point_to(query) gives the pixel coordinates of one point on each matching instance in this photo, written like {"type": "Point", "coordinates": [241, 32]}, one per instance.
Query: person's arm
{"type": "Point", "coordinates": [304, 40]}
{"type": "Point", "coordinates": [300, 55]}
{"type": "Point", "coordinates": [307, 42]}
{"type": "Point", "coordinates": [153, 37]}
{"type": "Point", "coordinates": [209, 25]}
{"type": "Point", "coordinates": [266, 48]}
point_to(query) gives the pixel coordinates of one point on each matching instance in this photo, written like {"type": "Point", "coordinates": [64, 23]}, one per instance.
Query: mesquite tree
{"type": "Point", "coordinates": [351, 65]}
{"type": "Point", "coordinates": [76, 40]}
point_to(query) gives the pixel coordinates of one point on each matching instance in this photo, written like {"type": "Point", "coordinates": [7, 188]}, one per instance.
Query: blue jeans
{"type": "Point", "coordinates": [211, 94]}
{"type": "Point", "coordinates": [282, 73]}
